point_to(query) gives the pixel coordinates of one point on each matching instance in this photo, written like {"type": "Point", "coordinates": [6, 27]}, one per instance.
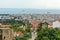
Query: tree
{"type": "Point", "coordinates": [20, 38]}
{"type": "Point", "coordinates": [15, 27]}
{"type": "Point", "coordinates": [26, 33]}
{"type": "Point", "coordinates": [48, 34]}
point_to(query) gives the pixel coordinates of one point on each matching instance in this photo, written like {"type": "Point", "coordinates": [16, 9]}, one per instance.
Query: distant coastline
{"type": "Point", "coordinates": [28, 11]}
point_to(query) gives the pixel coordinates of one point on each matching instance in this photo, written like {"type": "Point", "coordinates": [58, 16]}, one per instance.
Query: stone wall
{"type": "Point", "coordinates": [7, 34]}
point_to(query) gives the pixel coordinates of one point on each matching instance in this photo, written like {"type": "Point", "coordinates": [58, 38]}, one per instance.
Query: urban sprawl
{"type": "Point", "coordinates": [27, 26]}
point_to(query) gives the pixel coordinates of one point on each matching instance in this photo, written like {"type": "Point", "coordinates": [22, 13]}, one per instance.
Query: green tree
{"type": "Point", "coordinates": [26, 33]}
{"type": "Point", "coordinates": [48, 33]}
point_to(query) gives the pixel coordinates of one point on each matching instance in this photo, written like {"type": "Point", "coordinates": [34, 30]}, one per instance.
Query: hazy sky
{"type": "Point", "coordinates": [38, 4]}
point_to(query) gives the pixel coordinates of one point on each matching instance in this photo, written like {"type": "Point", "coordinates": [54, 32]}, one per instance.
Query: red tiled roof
{"type": "Point", "coordinates": [50, 23]}
{"type": "Point", "coordinates": [19, 32]}
{"type": "Point", "coordinates": [34, 23]}
{"type": "Point", "coordinates": [58, 20]}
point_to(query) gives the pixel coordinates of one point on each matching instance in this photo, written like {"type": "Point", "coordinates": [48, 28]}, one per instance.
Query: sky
{"type": "Point", "coordinates": [36, 4]}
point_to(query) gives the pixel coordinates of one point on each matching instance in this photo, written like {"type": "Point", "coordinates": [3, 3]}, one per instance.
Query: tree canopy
{"type": "Point", "coordinates": [48, 33]}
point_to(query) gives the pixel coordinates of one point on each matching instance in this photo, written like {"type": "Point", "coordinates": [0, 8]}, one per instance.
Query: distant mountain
{"type": "Point", "coordinates": [27, 11]}
{"type": "Point", "coordinates": [4, 14]}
